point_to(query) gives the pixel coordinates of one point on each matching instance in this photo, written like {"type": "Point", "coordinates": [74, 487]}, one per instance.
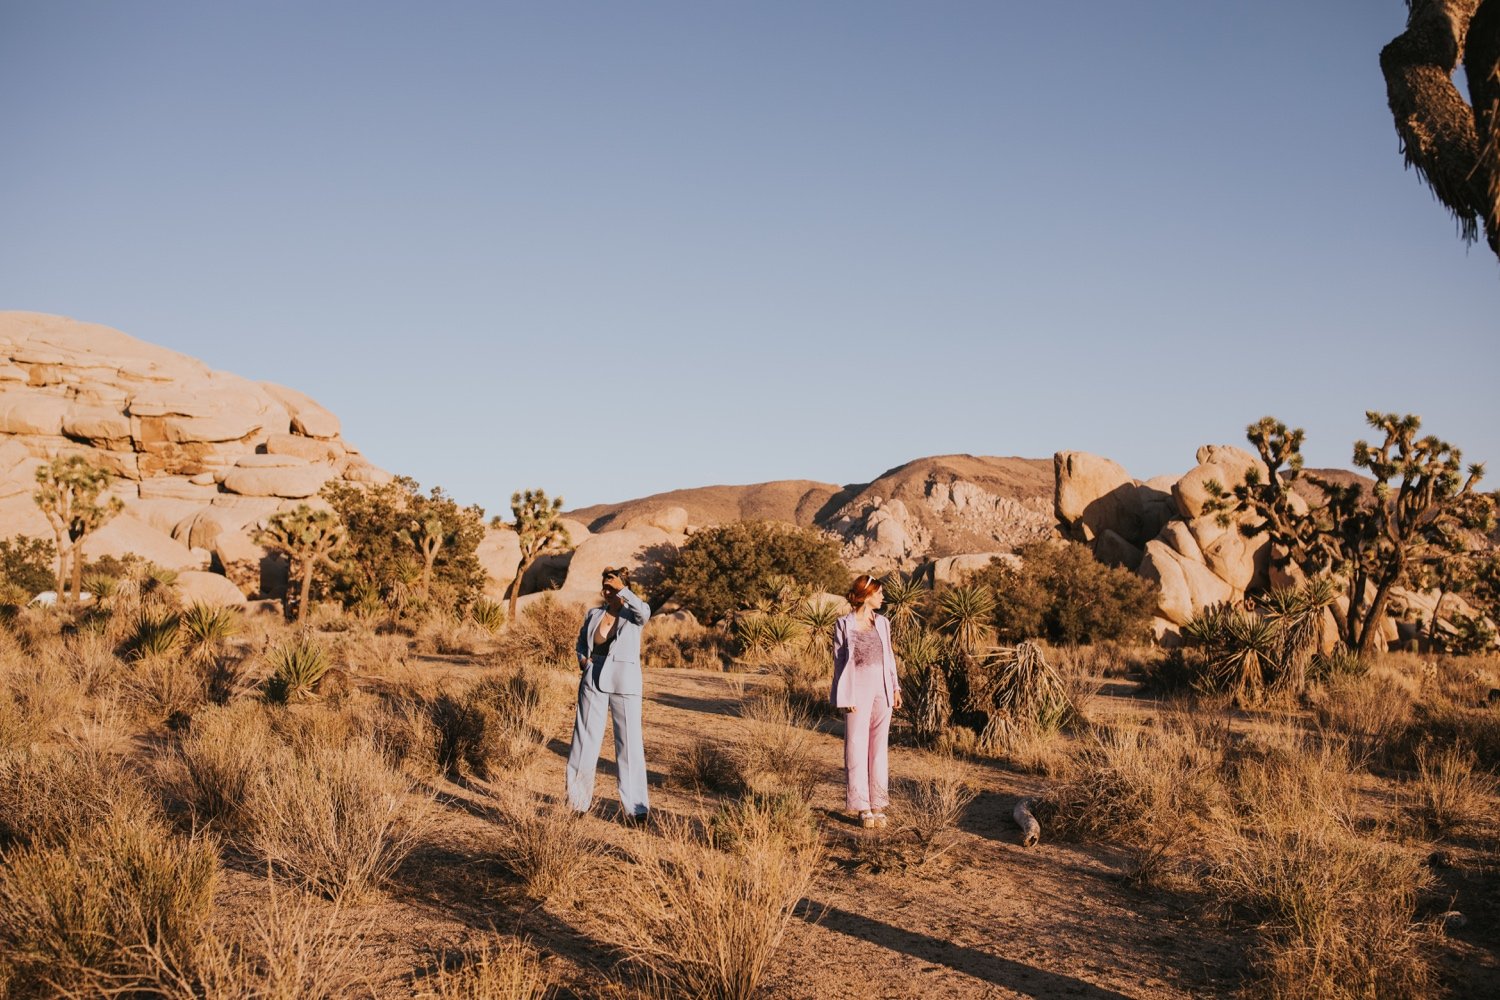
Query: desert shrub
{"type": "Point", "coordinates": [404, 731]}
{"type": "Point", "coordinates": [775, 750]}
{"type": "Point", "coordinates": [705, 763]}
{"type": "Point", "coordinates": [1147, 790]}
{"type": "Point", "coordinates": [163, 689]}
{"type": "Point", "coordinates": [448, 634]}
{"type": "Point", "coordinates": [297, 666]}
{"type": "Point", "coordinates": [761, 634]}
{"type": "Point", "coordinates": [332, 816]}
{"type": "Point", "coordinates": [783, 815]}
{"type": "Point", "coordinates": [806, 680]}
{"type": "Point", "coordinates": [1061, 593]}
{"type": "Point", "coordinates": [677, 643]}
{"type": "Point", "coordinates": [930, 805]}
{"type": "Point", "coordinates": [90, 661]}
{"type": "Point", "coordinates": [1368, 713]}
{"type": "Point", "coordinates": [545, 846]}
{"type": "Point", "coordinates": [496, 725]}
{"type": "Point", "coordinates": [1448, 793]}
{"type": "Point", "coordinates": [115, 908]}
{"type": "Point", "coordinates": [1337, 913]}
{"type": "Point", "coordinates": [1444, 723]}
{"type": "Point", "coordinates": [156, 634]}
{"type": "Point", "coordinates": [382, 558]}
{"type": "Point", "coordinates": [545, 632]}
{"type": "Point", "coordinates": [926, 702]}
{"type": "Point", "coordinates": [223, 756]}
{"type": "Point", "coordinates": [499, 969]}
{"type": "Point", "coordinates": [27, 568]}
{"type": "Point", "coordinates": [729, 566]}
{"type": "Point", "coordinates": [704, 923]}
{"type": "Point", "coordinates": [50, 791]}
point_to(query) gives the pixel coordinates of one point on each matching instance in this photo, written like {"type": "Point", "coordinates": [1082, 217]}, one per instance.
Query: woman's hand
{"type": "Point", "coordinates": [896, 707]}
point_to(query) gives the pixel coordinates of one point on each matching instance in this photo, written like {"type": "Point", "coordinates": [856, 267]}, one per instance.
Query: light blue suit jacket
{"type": "Point", "coordinates": [620, 673]}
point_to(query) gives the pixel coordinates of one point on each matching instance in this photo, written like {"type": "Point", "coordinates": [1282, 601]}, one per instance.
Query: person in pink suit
{"type": "Point", "coordinates": [866, 691]}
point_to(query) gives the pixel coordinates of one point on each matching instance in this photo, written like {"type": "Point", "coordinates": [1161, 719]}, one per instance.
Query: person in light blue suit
{"type": "Point", "coordinates": [609, 658]}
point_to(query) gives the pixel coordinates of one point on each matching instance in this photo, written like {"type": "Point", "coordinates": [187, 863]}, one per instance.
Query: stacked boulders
{"type": "Point", "coordinates": [202, 458]}
{"type": "Point", "coordinates": [1168, 531]}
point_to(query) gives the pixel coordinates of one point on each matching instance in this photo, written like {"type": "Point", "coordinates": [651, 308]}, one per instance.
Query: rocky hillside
{"type": "Point", "coordinates": [922, 511]}
{"type": "Point", "coordinates": [795, 501]}
{"type": "Point", "coordinates": [202, 457]}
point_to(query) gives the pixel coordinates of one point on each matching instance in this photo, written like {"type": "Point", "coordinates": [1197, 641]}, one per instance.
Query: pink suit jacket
{"type": "Point", "coordinates": [842, 694]}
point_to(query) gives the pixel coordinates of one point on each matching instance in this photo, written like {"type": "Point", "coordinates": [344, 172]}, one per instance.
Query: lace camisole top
{"type": "Point", "coordinates": [866, 648]}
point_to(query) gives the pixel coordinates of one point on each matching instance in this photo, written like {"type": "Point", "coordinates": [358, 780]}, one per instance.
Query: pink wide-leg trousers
{"type": "Point", "coordinates": [867, 730]}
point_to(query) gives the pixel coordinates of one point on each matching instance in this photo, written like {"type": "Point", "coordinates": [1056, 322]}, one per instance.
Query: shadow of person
{"type": "Point", "coordinates": [1024, 979]}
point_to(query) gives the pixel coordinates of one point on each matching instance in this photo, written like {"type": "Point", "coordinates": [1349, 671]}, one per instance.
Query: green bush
{"type": "Point", "coordinates": [731, 566]}
{"type": "Point", "coordinates": [26, 568]}
{"type": "Point", "coordinates": [1061, 593]}
{"type": "Point", "coordinates": [381, 556]}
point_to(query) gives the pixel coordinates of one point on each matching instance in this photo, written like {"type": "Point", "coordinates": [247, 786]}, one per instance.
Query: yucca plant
{"type": "Point", "coordinates": [750, 632]}
{"type": "Point", "coordinates": [1297, 615]}
{"type": "Point", "coordinates": [296, 668]}
{"type": "Point", "coordinates": [925, 700]}
{"type": "Point", "coordinates": [819, 618]}
{"type": "Point", "coordinates": [208, 629]}
{"type": "Point", "coordinates": [156, 634]}
{"type": "Point", "coordinates": [780, 630]}
{"type": "Point", "coordinates": [487, 614]}
{"type": "Point", "coordinates": [102, 586]}
{"type": "Point", "coordinates": [966, 614]}
{"type": "Point", "coordinates": [904, 597]}
{"type": "Point", "coordinates": [1026, 692]}
{"type": "Point", "coordinates": [1242, 665]}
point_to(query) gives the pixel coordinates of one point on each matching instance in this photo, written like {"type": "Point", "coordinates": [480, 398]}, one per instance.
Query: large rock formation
{"type": "Point", "coordinates": [203, 457]}
{"type": "Point", "coordinates": [1168, 531]}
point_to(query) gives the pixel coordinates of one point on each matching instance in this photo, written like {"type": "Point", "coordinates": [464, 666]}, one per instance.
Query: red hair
{"type": "Point", "coordinates": [864, 585]}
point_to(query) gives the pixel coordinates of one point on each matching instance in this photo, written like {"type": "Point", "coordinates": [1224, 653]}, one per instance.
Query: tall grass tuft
{"type": "Point", "coordinates": [500, 969]}
{"type": "Point", "coordinates": [545, 846]}
{"type": "Point", "coordinates": [119, 908]}
{"type": "Point", "coordinates": [333, 816]}
{"type": "Point", "coordinates": [703, 923]}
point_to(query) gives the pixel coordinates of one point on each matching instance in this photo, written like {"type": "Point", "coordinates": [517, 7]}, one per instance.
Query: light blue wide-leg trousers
{"type": "Point", "coordinates": [588, 737]}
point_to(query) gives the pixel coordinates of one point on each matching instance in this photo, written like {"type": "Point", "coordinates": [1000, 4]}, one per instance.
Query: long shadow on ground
{"type": "Point", "coordinates": [1018, 976]}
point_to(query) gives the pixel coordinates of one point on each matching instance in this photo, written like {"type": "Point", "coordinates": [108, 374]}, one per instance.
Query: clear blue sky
{"type": "Point", "coordinates": [610, 249]}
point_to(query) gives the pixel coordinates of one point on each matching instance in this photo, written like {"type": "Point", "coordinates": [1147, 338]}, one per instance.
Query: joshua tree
{"type": "Point", "coordinates": [539, 526]}
{"type": "Point", "coordinates": [1418, 507]}
{"type": "Point", "coordinates": [68, 493]}
{"type": "Point", "coordinates": [1453, 143]}
{"type": "Point", "coordinates": [428, 535]}
{"type": "Point", "coordinates": [309, 538]}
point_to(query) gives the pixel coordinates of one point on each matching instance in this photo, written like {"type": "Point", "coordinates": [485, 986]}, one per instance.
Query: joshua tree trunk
{"type": "Point", "coordinates": [307, 575]}
{"type": "Point", "coordinates": [514, 590]}
{"type": "Point", "coordinates": [1454, 146]}
{"type": "Point", "coordinates": [77, 550]}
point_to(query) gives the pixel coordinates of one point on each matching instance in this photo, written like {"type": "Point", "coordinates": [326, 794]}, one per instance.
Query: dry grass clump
{"type": "Point", "coordinates": [677, 643]}
{"type": "Point", "coordinates": [115, 908]}
{"type": "Point", "coordinates": [497, 725]}
{"type": "Point", "coordinates": [1369, 713]}
{"type": "Point", "coordinates": [1030, 748]}
{"type": "Point", "coordinates": [545, 846]}
{"type": "Point", "coordinates": [1338, 912]}
{"type": "Point", "coordinates": [806, 679]}
{"type": "Point", "coordinates": [775, 753]}
{"type": "Point", "coordinates": [499, 969]}
{"type": "Point", "coordinates": [51, 791]}
{"type": "Point", "coordinates": [930, 806]}
{"type": "Point", "coordinates": [1146, 790]}
{"type": "Point", "coordinates": [367, 652]}
{"type": "Point", "coordinates": [545, 632]}
{"type": "Point", "coordinates": [90, 660]}
{"type": "Point", "coordinates": [291, 949]}
{"type": "Point", "coordinates": [450, 635]}
{"type": "Point", "coordinates": [332, 815]}
{"type": "Point", "coordinates": [782, 815]}
{"type": "Point", "coordinates": [706, 764]}
{"type": "Point", "coordinates": [1449, 793]}
{"type": "Point", "coordinates": [224, 755]}
{"type": "Point", "coordinates": [704, 923]}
